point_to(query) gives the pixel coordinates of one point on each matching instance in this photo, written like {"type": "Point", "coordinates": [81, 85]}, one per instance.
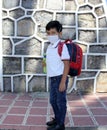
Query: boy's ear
{"type": "Point", "coordinates": [60, 34]}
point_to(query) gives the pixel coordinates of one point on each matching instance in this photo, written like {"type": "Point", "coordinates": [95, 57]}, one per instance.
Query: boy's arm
{"type": "Point", "coordinates": [62, 86]}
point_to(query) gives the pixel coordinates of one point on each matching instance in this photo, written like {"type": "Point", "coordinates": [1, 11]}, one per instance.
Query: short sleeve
{"type": "Point", "coordinates": [65, 54]}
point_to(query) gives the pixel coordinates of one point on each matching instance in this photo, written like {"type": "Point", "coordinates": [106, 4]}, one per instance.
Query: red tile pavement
{"type": "Point", "coordinates": [17, 110]}
{"type": "Point", "coordinates": [5, 102]}
{"type": "Point", "coordinates": [76, 103]}
{"type": "Point", "coordinates": [99, 111]}
{"type": "Point", "coordinates": [36, 120]}
{"type": "Point", "coordinates": [94, 104]}
{"type": "Point", "coordinates": [40, 104]}
{"type": "Point", "coordinates": [38, 111]}
{"type": "Point", "coordinates": [10, 119]}
{"type": "Point", "coordinates": [79, 111]}
{"type": "Point", "coordinates": [29, 112]}
{"type": "Point", "coordinates": [3, 109]}
{"type": "Point", "coordinates": [22, 103]}
{"type": "Point", "coordinates": [83, 121]}
{"type": "Point", "coordinates": [102, 120]}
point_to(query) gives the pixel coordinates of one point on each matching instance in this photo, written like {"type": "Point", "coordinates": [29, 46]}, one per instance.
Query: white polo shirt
{"type": "Point", "coordinates": [55, 65]}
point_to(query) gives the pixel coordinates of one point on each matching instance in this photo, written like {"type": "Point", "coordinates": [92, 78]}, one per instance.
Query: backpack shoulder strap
{"type": "Point", "coordinates": [60, 47]}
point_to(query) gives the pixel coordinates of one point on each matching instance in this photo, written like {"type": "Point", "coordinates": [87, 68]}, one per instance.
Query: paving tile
{"type": "Point", "coordinates": [73, 97]}
{"type": "Point", "coordinates": [3, 109]}
{"type": "Point", "coordinates": [22, 127]}
{"type": "Point", "coordinates": [17, 110]}
{"type": "Point", "coordinates": [38, 111]}
{"type": "Point", "coordinates": [36, 120]}
{"type": "Point", "coordinates": [40, 104]}
{"type": "Point", "coordinates": [102, 120]}
{"type": "Point", "coordinates": [5, 102]}
{"type": "Point", "coordinates": [24, 97]}
{"type": "Point", "coordinates": [67, 122]}
{"type": "Point", "coordinates": [94, 104]}
{"type": "Point", "coordinates": [14, 127]}
{"type": "Point", "coordinates": [99, 111]}
{"type": "Point", "coordinates": [7, 127]}
{"type": "Point", "coordinates": [83, 121]}
{"type": "Point", "coordinates": [22, 103]}
{"type": "Point", "coordinates": [76, 104]}
{"type": "Point", "coordinates": [38, 128]}
{"type": "Point", "coordinates": [79, 111]}
{"type": "Point", "coordinates": [90, 97]}
{"type": "Point", "coordinates": [105, 103]}
{"type": "Point", "coordinates": [9, 96]}
{"type": "Point", "coordinates": [10, 119]}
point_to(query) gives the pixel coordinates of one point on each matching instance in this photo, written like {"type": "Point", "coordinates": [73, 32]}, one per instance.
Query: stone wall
{"type": "Point", "coordinates": [24, 41]}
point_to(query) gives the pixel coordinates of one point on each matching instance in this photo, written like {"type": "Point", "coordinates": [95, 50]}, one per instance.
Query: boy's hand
{"type": "Point", "coordinates": [62, 87]}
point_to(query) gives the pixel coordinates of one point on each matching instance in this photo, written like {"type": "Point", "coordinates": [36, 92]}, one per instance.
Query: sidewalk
{"type": "Point", "coordinates": [31, 111]}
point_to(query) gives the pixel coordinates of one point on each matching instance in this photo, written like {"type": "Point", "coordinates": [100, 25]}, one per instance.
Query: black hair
{"type": "Point", "coordinates": [54, 24]}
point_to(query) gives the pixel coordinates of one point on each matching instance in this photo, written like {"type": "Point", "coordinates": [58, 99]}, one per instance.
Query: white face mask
{"type": "Point", "coordinates": [53, 38]}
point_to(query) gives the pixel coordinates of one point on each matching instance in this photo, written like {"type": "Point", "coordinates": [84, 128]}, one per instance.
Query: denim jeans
{"type": "Point", "coordinates": [58, 99]}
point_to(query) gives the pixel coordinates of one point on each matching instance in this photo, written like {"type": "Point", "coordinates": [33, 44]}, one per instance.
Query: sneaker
{"type": "Point", "coordinates": [51, 123]}
{"type": "Point", "coordinates": [57, 127]}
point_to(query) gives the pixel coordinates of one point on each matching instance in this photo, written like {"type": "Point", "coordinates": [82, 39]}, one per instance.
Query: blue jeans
{"type": "Point", "coordinates": [58, 99]}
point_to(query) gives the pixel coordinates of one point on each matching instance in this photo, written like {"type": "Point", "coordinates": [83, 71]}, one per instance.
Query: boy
{"type": "Point", "coordinates": [57, 71]}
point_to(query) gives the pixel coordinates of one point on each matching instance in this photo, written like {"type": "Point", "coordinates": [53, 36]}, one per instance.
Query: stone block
{"type": "Point", "coordinates": [81, 2]}
{"type": "Point", "coordinates": [66, 18]}
{"type": "Point", "coordinates": [33, 65]}
{"type": "Point", "coordinates": [86, 74]}
{"type": "Point", "coordinates": [98, 48]}
{"type": "Point", "coordinates": [41, 3]}
{"type": "Point", "coordinates": [85, 86]}
{"type": "Point", "coordinates": [19, 83]}
{"type": "Point", "coordinates": [102, 22]}
{"type": "Point", "coordinates": [7, 84]}
{"type": "Point", "coordinates": [43, 17]}
{"type": "Point", "coordinates": [102, 82]}
{"type": "Point", "coordinates": [96, 62]}
{"type": "Point", "coordinates": [11, 65]}
{"type": "Point", "coordinates": [4, 13]}
{"type": "Point", "coordinates": [83, 62]}
{"type": "Point", "coordinates": [84, 47]}
{"type": "Point", "coordinates": [87, 36]}
{"type": "Point", "coordinates": [25, 27]}
{"type": "Point", "coordinates": [46, 44]}
{"type": "Point", "coordinates": [37, 83]}
{"type": "Point", "coordinates": [68, 33]}
{"type": "Point", "coordinates": [95, 2]}
{"type": "Point", "coordinates": [10, 4]}
{"type": "Point", "coordinates": [70, 5]}
{"type": "Point", "coordinates": [41, 32]}
{"type": "Point", "coordinates": [8, 27]}
{"type": "Point", "coordinates": [54, 5]}
{"type": "Point", "coordinates": [7, 46]}
{"type": "Point", "coordinates": [29, 4]}
{"type": "Point", "coordinates": [99, 11]}
{"type": "Point", "coordinates": [86, 21]}
{"type": "Point", "coordinates": [17, 13]}
{"type": "Point", "coordinates": [103, 35]}
{"type": "Point", "coordinates": [85, 8]}
{"type": "Point", "coordinates": [29, 47]}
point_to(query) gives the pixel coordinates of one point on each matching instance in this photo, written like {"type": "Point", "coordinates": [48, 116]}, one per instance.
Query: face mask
{"type": "Point", "coordinates": [53, 38]}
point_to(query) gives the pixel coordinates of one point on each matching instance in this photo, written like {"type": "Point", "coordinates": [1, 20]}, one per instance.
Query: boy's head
{"type": "Point", "coordinates": [54, 30]}
{"type": "Point", "coordinates": [53, 27]}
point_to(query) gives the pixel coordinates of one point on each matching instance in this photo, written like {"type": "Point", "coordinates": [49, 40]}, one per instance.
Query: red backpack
{"type": "Point", "coordinates": [76, 56]}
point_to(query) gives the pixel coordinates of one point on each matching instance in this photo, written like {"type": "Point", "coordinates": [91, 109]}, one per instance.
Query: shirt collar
{"type": "Point", "coordinates": [55, 44]}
